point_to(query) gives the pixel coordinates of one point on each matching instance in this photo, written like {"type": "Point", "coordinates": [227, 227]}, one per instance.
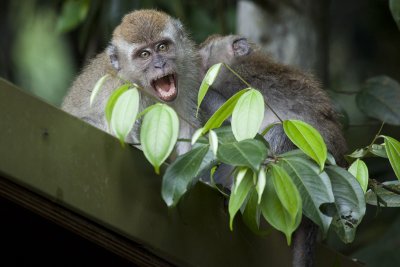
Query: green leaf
{"type": "Point", "coordinates": [261, 181]}
{"type": "Point", "coordinates": [360, 170]}
{"type": "Point", "coordinates": [286, 191]}
{"type": "Point", "coordinates": [113, 99]}
{"type": "Point", "coordinates": [97, 87]}
{"type": "Point", "coordinates": [239, 195]}
{"type": "Point", "coordinates": [251, 215]}
{"type": "Point", "coordinates": [308, 139]}
{"type": "Point", "coordinates": [248, 115]}
{"type": "Point", "coordinates": [73, 13]}
{"type": "Point", "coordinates": [379, 150]}
{"type": "Point", "coordinates": [225, 135]}
{"type": "Point", "coordinates": [275, 213]}
{"type": "Point", "coordinates": [247, 153]}
{"type": "Point", "coordinates": [240, 174]}
{"type": "Point", "coordinates": [196, 135]}
{"type": "Point", "coordinates": [314, 187]}
{"type": "Point", "coordinates": [181, 173]}
{"type": "Point", "coordinates": [394, 6]}
{"type": "Point", "coordinates": [124, 113]}
{"type": "Point", "coordinates": [391, 199]}
{"type": "Point", "coordinates": [298, 153]}
{"type": "Point", "coordinates": [379, 99]}
{"type": "Point", "coordinates": [208, 80]}
{"type": "Point", "coordinates": [158, 134]}
{"type": "Point", "coordinates": [349, 207]}
{"type": "Point", "coordinates": [393, 152]}
{"type": "Point", "coordinates": [213, 138]}
{"type": "Point", "coordinates": [223, 112]}
{"type": "Point", "coordinates": [359, 153]}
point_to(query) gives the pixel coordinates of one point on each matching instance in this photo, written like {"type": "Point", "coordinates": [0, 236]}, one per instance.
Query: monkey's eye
{"type": "Point", "coordinates": [162, 47]}
{"type": "Point", "coordinates": [144, 54]}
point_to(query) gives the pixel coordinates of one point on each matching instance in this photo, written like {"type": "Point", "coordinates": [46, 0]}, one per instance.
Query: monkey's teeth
{"type": "Point", "coordinates": [165, 87]}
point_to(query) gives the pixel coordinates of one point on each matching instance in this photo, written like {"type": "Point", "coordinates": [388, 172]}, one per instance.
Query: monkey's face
{"type": "Point", "coordinates": [152, 65]}
{"type": "Point", "coordinates": [217, 48]}
{"type": "Point", "coordinates": [155, 63]}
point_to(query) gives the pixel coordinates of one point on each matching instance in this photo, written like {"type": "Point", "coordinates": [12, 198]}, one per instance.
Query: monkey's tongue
{"type": "Point", "coordinates": [165, 87]}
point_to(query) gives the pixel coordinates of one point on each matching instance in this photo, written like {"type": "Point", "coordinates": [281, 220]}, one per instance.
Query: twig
{"type": "Point", "coordinates": [249, 85]}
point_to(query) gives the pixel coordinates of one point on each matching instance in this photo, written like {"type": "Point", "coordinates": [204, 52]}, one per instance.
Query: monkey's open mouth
{"type": "Point", "coordinates": [165, 87]}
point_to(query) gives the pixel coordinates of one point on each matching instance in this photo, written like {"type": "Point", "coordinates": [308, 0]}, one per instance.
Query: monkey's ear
{"type": "Point", "coordinates": [241, 47]}
{"type": "Point", "coordinates": [112, 53]}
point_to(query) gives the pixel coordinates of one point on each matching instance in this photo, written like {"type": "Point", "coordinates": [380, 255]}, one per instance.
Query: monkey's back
{"type": "Point", "coordinates": [292, 94]}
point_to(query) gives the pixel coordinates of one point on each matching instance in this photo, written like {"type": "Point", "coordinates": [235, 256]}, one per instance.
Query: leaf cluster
{"type": "Point", "coordinates": [278, 188]}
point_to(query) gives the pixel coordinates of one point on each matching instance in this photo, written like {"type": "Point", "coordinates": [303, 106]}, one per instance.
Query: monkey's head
{"type": "Point", "coordinates": [217, 48]}
{"type": "Point", "coordinates": [152, 49]}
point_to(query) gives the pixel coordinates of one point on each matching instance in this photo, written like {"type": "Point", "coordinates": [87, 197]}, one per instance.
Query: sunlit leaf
{"type": "Point", "coordinates": [314, 187]}
{"type": "Point", "coordinates": [213, 138]}
{"type": "Point", "coordinates": [248, 115]}
{"type": "Point", "coordinates": [286, 191]}
{"type": "Point", "coordinates": [181, 173]}
{"type": "Point", "coordinates": [391, 199]}
{"type": "Point", "coordinates": [239, 195]}
{"type": "Point", "coordinates": [247, 153]}
{"type": "Point", "coordinates": [97, 87]}
{"type": "Point", "coordinates": [308, 139]}
{"type": "Point", "coordinates": [393, 152]}
{"type": "Point", "coordinates": [113, 99]}
{"type": "Point", "coordinates": [395, 9]}
{"type": "Point", "coordinates": [208, 80]}
{"type": "Point", "coordinates": [379, 99]}
{"type": "Point", "coordinates": [158, 134]}
{"type": "Point", "coordinates": [261, 181]}
{"type": "Point", "coordinates": [360, 170]}
{"type": "Point", "coordinates": [349, 207]}
{"type": "Point", "coordinates": [239, 178]}
{"type": "Point", "coordinates": [223, 112]}
{"type": "Point", "coordinates": [275, 213]}
{"type": "Point", "coordinates": [196, 135]}
{"type": "Point", "coordinates": [124, 113]}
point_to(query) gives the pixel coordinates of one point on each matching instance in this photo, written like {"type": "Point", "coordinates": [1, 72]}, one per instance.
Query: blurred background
{"type": "Point", "coordinates": [44, 44]}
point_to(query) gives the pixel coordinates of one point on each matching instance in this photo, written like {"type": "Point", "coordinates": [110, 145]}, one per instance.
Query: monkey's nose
{"type": "Point", "coordinates": [159, 63]}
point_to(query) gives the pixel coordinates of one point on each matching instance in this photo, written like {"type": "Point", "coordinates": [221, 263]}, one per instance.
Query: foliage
{"type": "Point", "coordinates": [280, 188]}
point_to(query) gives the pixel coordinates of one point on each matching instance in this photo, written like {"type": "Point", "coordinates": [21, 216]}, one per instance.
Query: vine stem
{"type": "Point", "coordinates": [376, 183]}
{"type": "Point", "coordinates": [149, 95]}
{"type": "Point", "coordinates": [376, 136]}
{"type": "Point", "coordinates": [249, 85]}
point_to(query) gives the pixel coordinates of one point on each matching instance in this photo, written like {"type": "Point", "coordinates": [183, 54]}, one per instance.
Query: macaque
{"type": "Point", "coordinates": [153, 50]}
{"type": "Point", "coordinates": [292, 94]}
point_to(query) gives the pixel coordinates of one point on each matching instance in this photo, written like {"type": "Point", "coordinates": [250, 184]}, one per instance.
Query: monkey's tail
{"type": "Point", "coordinates": [304, 243]}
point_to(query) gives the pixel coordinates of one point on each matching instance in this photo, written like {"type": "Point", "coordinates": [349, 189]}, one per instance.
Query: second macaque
{"type": "Point", "coordinates": [291, 93]}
